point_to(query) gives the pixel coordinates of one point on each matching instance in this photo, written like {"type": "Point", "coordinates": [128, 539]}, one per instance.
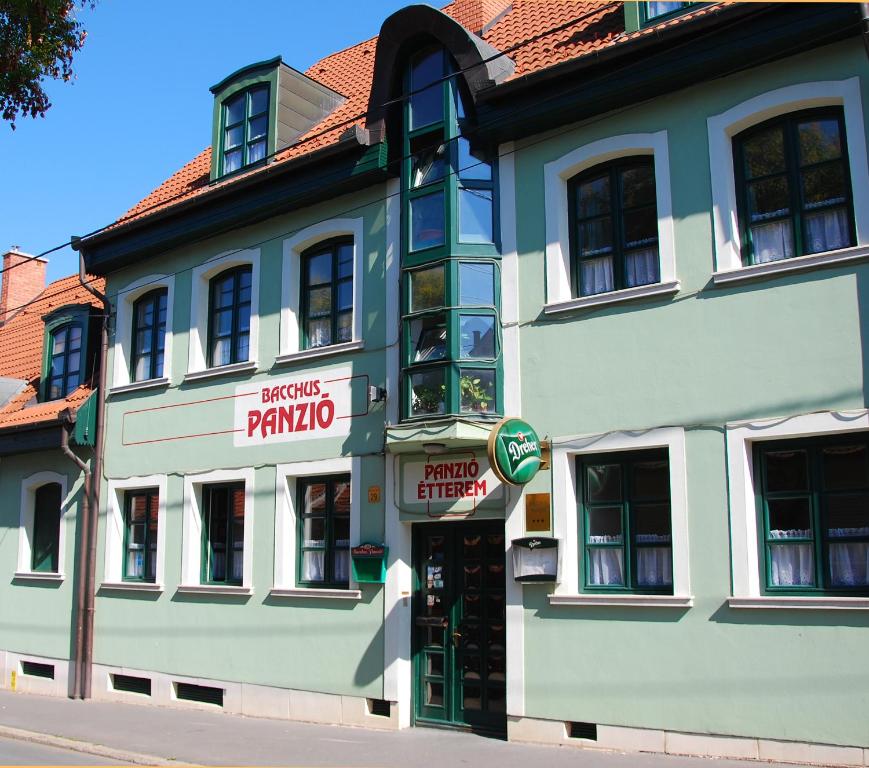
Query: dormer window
{"type": "Point", "coordinates": [66, 351]}
{"type": "Point", "coordinates": [646, 14]}
{"type": "Point", "coordinates": [663, 8]}
{"type": "Point", "coordinates": [245, 128]}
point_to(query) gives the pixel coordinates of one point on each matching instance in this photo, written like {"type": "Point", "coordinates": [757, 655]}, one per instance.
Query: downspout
{"type": "Point", "coordinates": [864, 15]}
{"type": "Point", "coordinates": [68, 421]}
{"type": "Point", "coordinates": [94, 505]}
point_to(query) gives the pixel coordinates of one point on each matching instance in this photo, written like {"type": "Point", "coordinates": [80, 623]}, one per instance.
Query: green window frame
{"type": "Point", "coordinates": [327, 293]}
{"type": "Point", "coordinates": [45, 549]}
{"type": "Point", "coordinates": [149, 335]}
{"type": "Point", "coordinates": [229, 303]}
{"type": "Point", "coordinates": [223, 512]}
{"type": "Point", "coordinates": [813, 514]}
{"type": "Point", "coordinates": [244, 129]}
{"type": "Point", "coordinates": [141, 521]}
{"type": "Point", "coordinates": [626, 522]}
{"type": "Point", "coordinates": [324, 505]}
{"type": "Point", "coordinates": [613, 220]}
{"type": "Point", "coordinates": [794, 193]}
{"type": "Point", "coordinates": [66, 345]}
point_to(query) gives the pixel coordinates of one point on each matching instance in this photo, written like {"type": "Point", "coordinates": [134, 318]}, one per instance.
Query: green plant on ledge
{"type": "Point", "coordinates": [475, 397]}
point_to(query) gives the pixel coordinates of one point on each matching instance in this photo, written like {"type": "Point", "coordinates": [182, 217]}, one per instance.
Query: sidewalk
{"type": "Point", "coordinates": [153, 735]}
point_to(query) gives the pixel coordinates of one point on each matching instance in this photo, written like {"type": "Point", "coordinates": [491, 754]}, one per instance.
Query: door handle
{"type": "Point", "coordinates": [456, 636]}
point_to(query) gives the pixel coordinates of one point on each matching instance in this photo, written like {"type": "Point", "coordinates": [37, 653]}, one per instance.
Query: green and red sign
{"type": "Point", "coordinates": [514, 451]}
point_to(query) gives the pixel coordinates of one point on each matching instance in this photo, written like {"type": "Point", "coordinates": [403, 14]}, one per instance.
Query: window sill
{"type": "Point", "coordinates": [323, 594]}
{"type": "Point", "coordinates": [136, 386]}
{"type": "Point", "coordinates": [308, 354]}
{"type": "Point", "coordinates": [797, 264]}
{"type": "Point", "coordinates": [37, 576]}
{"type": "Point", "coordinates": [132, 586]}
{"type": "Point", "coordinates": [632, 601]}
{"type": "Point", "coordinates": [613, 297]}
{"type": "Point", "coordinates": [248, 366]}
{"type": "Point", "coordinates": [816, 603]}
{"type": "Point", "coordinates": [212, 589]}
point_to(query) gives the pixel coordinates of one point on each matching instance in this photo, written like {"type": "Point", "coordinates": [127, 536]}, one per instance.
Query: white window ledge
{"type": "Point", "coordinates": [613, 297]}
{"type": "Point", "coordinates": [132, 586]}
{"type": "Point", "coordinates": [249, 366]}
{"type": "Point", "coordinates": [634, 601]}
{"type": "Point", "coordinates": [213, 589]}
{"type": "Point", "coordinates": [37, 576]}
{"type": "Point", "coordinates": [315, 352]}
{"type": "Point", "coordinates": [325, 594]}
{"type": "Point", "coordinates": [817, 603]}
{"type": "Point", "coordinates": [139, 385]}
{"type": "Point", "coordinates": [796, 264]}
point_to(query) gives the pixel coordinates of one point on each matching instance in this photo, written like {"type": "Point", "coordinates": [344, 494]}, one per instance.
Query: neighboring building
{"type": "Point", "coordinates": [642, 228]}
{"type": "Point", "coordinates": [48, 354]}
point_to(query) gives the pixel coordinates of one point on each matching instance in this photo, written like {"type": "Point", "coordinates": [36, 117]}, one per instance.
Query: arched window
{"type": "Point", "coordinates": [64, 363]}
{"type": "Point", "coordinates": [149, 335]}
{"type": "Point", "coordinates": [327, 294]}
{"type": "Point", "coordinates": [45, 549]}
{"type": "Point", "coordinates": [229, 317]}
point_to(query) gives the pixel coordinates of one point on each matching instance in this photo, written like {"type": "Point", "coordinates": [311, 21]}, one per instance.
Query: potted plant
{"type": "Point", "coordinates": [475, 395]}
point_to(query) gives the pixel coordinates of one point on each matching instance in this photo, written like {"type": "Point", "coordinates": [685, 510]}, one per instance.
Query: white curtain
{"type": "Point", "coordinates": [792, 565]}
{"type": "Point", "coordinates": [849, 564]}
{"type": "Point", "coordinates": [596, 275]}
{"type": "Point", "coordinates": [342, 565]}
{"type": "Point", "coordinates": [654, 566]}
{"type": "Point", "coordinates": [827, 231]}
{"type": "Point", "coordinates": [237, 565]}
{"type": "Point", "coordinates": [607, 566]}
{"type": "Point", "coordinates": [641, 267]}
{"type": "Point", "coordinates": [772, 242]}
{"type": "Point", "coordinates": [312, 566]}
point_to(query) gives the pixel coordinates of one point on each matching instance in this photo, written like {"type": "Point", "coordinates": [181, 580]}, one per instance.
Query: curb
{"type": "Point", "coordinates": [85, 747]}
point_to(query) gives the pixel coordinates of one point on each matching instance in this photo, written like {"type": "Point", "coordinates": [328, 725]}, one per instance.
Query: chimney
{"type": "Point", "coordinates": [23, 279]}
{"type": "Point", "coordinates": [476, 15]}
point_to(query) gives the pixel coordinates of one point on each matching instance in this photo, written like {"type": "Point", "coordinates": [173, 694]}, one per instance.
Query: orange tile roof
{"type": "Point", "coordinates": [521, 31]}
{"type": "Point", "coordinates": [21, 349]}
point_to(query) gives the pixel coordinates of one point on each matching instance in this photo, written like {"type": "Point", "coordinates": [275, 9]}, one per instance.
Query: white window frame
{"type": "Point", "coordinates": [287, 520]}
{"type": "Point", "coordinates": [781, 101]}
{"type": "Point", "coordinates": [113, 574]}
{"type": "Point", "coordinates": [197, 352]}
{"type": "Point", "coordinates": [191, 534]}
{"type": "Point", "coordinates": [27, 514]}
{"type": "Point", "coordinates": [558, 173]}
{"type": "Point", "coordinates": [744, 543]}
{"type": "Point", "coordinates": [290, 348]}
{"type": "Point", "coordinates": [565, 502]}
{"type": "Point", "coordinates": [122, 380]}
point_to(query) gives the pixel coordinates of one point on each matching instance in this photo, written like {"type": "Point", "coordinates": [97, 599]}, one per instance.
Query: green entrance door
{"type": "Point", "coordinates": [459, 625]}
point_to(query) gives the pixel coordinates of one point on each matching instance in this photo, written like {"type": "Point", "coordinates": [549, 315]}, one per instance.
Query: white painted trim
{"type": "Point", "coordinates": [797, 264]}
{"type": "Point", "coordinates": [637, 601]}
{"type": "Point", "coordinates": [233, 369]}
{"type": "Point", "coordinates": [740, 438]}
{"type": "Point", "coordinates": [137, 386]}
{"type": "Point", "coordinates": [191, 535]}
{"type": "Point", "coordinates": [114, 540]}
{"type": "Point", "coordinates": [318, 594]}
{"type": "Point", "coordinates": [199, 299]}
{"type": "Point", "coordinates": [37, 576]}
{"type": "Point", "coordinates": [286, 516]}
{"type": "Point", "coordinates": [814, 603]}
{"type": "Point", "coordinates": [215, 589]}
{"type": "Point", "coordinates": [127, 296]}
{"type": "Point", "coordinates": [131, 586]}
{"type": "Point", "coordinates": [614, 297]}
{"type": "Point", "coordinates": [318, 352]}
{"type": "Point", "coordinates": [290, 336]}
{"type": "Point", "coordinates": [29, 486]}
{"type": "Point", "coordinates": [722, 128]}
{"type": "Point", "coordinates": [565, 501]}
{"type": "Point", "coordinates": [558, 172]}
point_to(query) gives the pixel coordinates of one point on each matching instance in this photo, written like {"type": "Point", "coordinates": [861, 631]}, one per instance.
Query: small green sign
{"type": "Point", "coordinates": [514, 451]}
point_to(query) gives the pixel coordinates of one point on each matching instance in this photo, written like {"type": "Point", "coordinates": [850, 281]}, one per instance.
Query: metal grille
{"type": "Point", "coordinates": [582, 730]}
{"type": "Point", "coordinates": [202, 693]}
{"type": "Point", "coordinates": [130, 684]}
{"type": "Point", "coordinates": [35, 669]}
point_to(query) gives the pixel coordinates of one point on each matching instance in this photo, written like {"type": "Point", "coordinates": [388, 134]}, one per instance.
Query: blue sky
{"type": "Point", "coordinates": [140, 106]}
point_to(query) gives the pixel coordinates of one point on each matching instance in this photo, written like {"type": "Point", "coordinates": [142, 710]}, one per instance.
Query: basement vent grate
{"type": "Point", "coordinates": [35, 669]}
{"type": "Point", "coordinates": [378, 707]}
{"type": "Point", "coordinates": [131, 684]}
{"type": "Point", "coordinates": [582, 730]}
{"type": "Point", "coordinates": [201, 693]}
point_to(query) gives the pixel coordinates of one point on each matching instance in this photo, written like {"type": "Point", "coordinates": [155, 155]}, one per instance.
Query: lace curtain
{"type": "Point", "coordinates": [825, 231]}
{"type": "Point", "coordinates": [849, 564]}
{"type": "Point", "coordinates": [641, 267]}
{"type": "Point", "coordinates": [596, 275]}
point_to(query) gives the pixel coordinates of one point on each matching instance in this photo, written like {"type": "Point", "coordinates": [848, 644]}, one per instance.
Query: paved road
{"type": "Point", "coordinates": [15, 752]}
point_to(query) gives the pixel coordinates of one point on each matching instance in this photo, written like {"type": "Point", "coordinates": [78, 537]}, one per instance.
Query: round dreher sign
{"type": "Point", "coordinates": [514, 451]}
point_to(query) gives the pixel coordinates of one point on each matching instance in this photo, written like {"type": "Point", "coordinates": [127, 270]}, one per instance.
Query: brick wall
{"type": "Point", "coordinates": [23, 279]}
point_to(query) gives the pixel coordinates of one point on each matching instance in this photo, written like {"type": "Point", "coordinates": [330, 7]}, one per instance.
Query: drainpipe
{"type": "Point", "coordinates": [864, 15]}
{"type": "Point", "coordinates": [68, 420]}
{"type": "Point", "coordinates": [94, 505]}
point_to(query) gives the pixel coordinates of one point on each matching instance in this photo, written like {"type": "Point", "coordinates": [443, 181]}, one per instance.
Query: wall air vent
{"type": "Point", "coordinates": [131, 684]}
{"type": "Point", "coordinates": [582, 730]}
{"type": "Point", "coordinates": [378, 707]}
{"type": "Point", "coordinates": [204, 694]}
{"type": "Point", "coordinates": [35, 669]}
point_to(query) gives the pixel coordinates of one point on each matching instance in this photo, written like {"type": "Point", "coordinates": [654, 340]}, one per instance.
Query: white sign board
{"type": "Point", "coordinates": [284, 410]}
{"type": "Point", "coordinates": [458, 481]}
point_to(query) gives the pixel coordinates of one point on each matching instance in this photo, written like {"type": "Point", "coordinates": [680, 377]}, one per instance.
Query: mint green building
{"type": "Point", "coordinates": [641, 228]}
